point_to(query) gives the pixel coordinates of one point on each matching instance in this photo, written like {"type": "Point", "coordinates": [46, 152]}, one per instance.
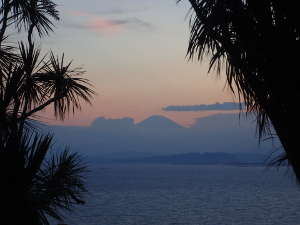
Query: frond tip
{"type": "Point", "coordinates": [37, 14]}
{"type": "Point", "coordinates": [67, 86]}
{"type": "Point", "coordinates": [62, 184]}
{"type": "Point", "coordinates": [63, 86]}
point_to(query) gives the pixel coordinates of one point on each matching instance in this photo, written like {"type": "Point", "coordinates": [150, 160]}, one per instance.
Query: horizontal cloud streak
{"type": "Point", "coordinates": [97, 23]}
{"type": "Point", "coordinates": [103, 25]}
{"type": "Point", "coordinates": [211, 107]}
{"type": "Point", "coordinates": [133, 21]}
{"type": "Point", "coordinates": [107, 25]}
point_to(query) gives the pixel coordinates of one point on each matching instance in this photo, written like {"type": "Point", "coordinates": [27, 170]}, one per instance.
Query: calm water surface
{"type": "Point", "coordinates": [188, 195]}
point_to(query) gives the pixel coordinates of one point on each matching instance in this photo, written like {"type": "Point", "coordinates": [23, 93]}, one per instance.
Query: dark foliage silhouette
{"type": "Point", "coordinates": [35, 184]}
{"type": "Point", "coordinates": [256, 43]}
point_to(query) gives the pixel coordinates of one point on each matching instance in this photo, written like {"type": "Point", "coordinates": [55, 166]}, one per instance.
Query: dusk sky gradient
{"type": "Point", "coordinates": [134, 54]}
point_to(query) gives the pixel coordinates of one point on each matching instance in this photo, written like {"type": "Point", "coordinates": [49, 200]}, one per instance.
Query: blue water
{"type": "Point", "coordinates": [188, 195]}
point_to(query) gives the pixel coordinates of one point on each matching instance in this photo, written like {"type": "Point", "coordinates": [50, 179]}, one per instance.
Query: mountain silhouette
{"type": "Point", "coordinates": [104, 123]}
{"type": "Point", "coordinates": [226, 121]}
{"type": "Point", "coordinates": [158, 135]}
{"type": "Point", "coordinates": [158, 122]}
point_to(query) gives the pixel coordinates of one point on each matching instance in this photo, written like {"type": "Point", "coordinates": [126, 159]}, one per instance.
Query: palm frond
{"type": "Point", "coordinates": [31, 92]}
{"type": "Point", "coordinates": [20, 91]}
{"type": "Point", "coordinates": [7, 54]}
{"type": "Point", "coordinates": [36, 153]}
{"type": "Point", "coordinates": [36, 184]}
{"type": "Point", "coordinates": [11, 80]}
{"type": "Point", "coordinates": [65, 86]}
{"type": "Point", "coordinates": [61, 183]}
{"type": "Point", "coordinates": [47, 184]}
{"type": "Point", "coordinates": [217, 30]}
{"type": "Point", "coordinates": [38, 13]}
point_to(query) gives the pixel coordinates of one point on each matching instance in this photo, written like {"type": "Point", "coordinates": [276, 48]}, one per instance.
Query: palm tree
{"type": "Point", "coordinates": [256, 43]}
{"type": "Point", "coordinates": [31, 82]}
{"type": "Point", "coordinates": [28, 14]}
{"type": "Point", "coordinates": [34, 184]}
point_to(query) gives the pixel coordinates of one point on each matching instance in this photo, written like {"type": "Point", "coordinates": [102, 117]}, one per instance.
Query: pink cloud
{"type": "Point", "coordinates": [100, 24]}
{"type": "Point", "coordinates": [97, 23]}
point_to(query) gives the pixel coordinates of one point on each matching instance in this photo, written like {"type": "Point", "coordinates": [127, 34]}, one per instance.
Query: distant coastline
{"type": "Point", "coordinates": [206, 158]}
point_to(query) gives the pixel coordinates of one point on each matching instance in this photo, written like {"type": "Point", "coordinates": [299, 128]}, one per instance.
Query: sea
{"type": "Point", "coordinates": [188, 195]}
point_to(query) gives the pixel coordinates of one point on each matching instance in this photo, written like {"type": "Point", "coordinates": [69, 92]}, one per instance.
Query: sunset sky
{"type": "Point", "coordinates": [134, 54]}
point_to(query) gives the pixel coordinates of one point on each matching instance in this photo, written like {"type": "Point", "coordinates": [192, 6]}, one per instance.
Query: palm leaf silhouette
{"type": "Point", "coordinates": [34, 14]}
{"type": "Point", "coordinates": [253, 41]}
{"type": "Point", "coordinates": [46, 184]}
{"type": "Point", "coordinates": [36, 185]}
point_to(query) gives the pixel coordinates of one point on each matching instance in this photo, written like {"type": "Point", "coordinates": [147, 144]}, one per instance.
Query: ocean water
{"type": "Point", "coordinates": [188, 195]}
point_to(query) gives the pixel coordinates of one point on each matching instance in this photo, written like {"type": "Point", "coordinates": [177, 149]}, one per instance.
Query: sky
{"type": "Point", "coordinates": [134, 54]}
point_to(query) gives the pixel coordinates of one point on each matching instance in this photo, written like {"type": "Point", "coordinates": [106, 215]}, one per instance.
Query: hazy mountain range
{"type": "Point", "coordinates": [122, 139]}
{"type": "Point", "coordinates": [207, 158]}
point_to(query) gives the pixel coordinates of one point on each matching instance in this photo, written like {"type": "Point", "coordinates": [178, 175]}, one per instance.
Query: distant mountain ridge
{"type": "Point", "coordinates": [158, 122]}
{"type": "Point", "coordinates": [152, 122]}
{"type": "Point", "coordinates": [158, 136]}
{"type": "Point", "coordinates": [104, 123]}
{"type": "Point", "coordinates": [206, 158]}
